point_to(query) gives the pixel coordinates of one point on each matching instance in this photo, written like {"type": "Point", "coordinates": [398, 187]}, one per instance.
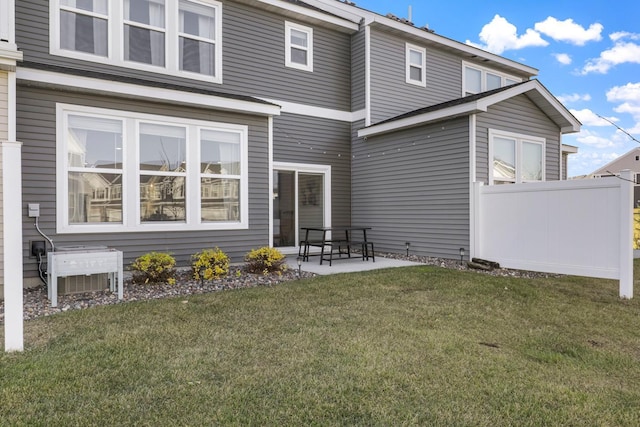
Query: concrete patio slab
{"type": "Point", "coordinates": [346, 265]}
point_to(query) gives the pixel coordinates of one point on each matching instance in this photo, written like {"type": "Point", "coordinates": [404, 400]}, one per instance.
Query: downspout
{"type": "Point", "coordinates": [367, 77]}
{"type": "Point", "coordinates": [270, 179]}
{"type": "Point", "coordinates": [473, 208]}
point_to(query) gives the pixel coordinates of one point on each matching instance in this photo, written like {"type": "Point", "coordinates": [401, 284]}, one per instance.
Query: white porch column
{"type": "Point", "coordinates": [12, 236]}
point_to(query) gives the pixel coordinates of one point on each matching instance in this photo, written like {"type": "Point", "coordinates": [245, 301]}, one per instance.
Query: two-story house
{"type": "Point", "coordinates": [177, 125]}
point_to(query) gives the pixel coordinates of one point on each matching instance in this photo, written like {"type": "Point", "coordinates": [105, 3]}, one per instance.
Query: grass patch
{"type": "Point", "coordinates": [411, 346]}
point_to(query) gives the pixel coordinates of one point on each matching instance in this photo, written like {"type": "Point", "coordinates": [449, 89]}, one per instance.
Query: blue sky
{"type": "Point", "coordinates": [587, 54]}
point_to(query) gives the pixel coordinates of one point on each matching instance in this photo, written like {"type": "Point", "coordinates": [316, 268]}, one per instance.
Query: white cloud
{"type": "Point", "coordinates": [624, 35]}
{"type": "Point", "coordinates": [622, 52]}
{"type": "Point", "coordinates": [629, 96]}
{"type": "Point", "coordinates": [629, 92]}
{"type": "Point", "coordinates": [574, 97]}
{"type": "Point", "coordinates": [568, 31]}
{"type": "Point", "coordinates": [587, 160]}
{"type": "Point", "coordinates": [562, 58]}
{"type": "Point", "coordinates": [500, 35]}
{"type": "Point", "coordinates": [595, 140]}
{"type": "Point", "coordinates": [589, 118]}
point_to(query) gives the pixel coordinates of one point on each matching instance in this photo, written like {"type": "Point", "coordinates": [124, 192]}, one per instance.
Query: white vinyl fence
{"type": "Point", "coordinates": [579, 227]}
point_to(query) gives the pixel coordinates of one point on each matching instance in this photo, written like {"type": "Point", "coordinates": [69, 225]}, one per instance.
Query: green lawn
{"type": "Point", "coordinates": [411, 346]}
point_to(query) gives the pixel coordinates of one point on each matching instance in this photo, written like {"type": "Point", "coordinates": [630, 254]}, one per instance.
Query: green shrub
{"type": "Point", "coordinates": [154, 267]}
{"type": "Point", "coordinates": [209, 264]}
{"type": "Point", "coordinates": [265, 260]}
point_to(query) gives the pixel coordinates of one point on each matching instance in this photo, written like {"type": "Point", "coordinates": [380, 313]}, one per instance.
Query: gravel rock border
{"type": "Point", "coordinates": [36, 303]}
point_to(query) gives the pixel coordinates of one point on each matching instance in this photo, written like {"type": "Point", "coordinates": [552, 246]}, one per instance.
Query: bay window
{"type": "Point", "coordinates": [176, 37]}
{"type": "Point", "coordinates": [124, 171]}
{"type": "Point", "coordinates": [515, 158]}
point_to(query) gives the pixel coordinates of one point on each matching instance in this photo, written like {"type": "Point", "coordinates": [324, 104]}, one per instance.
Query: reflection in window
{"type": "Point", "coordinates": [220, 175]}
{"type": "Point", "coordinates": [516, 158]}
{"type": "Point", "coordinates": [531, 161]}
{"type": "Point", "coordinates": [134, 170]}
{"type": "Point", "coordinates": [504, 159]}
{"type": "Point", "coordinates": [94, 156]}
{"type": "Point", "coordinates": [162, 172]}
{"type": "Point", "coordinates": [220, 199]}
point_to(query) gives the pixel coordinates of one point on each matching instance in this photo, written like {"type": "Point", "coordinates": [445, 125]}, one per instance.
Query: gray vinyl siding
{"type": "Point", "coordinates": [358, 71]}
{"type": "Point", "coordinates": [391, 95]}
{"type": "Point", "coordinates": [518, 115]}
{"type": "Point", "coordinates": [413, 186]}
{"type": "Point", "coordinates": [36, 121]}
{"type": "Point", "coordinates": [253, 43]}
{"type": "Point", "coordinates": [309, 140]}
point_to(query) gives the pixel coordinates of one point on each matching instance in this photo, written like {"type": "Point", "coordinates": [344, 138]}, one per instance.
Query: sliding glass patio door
{"type": "Point", "coordinates": [299, 200]}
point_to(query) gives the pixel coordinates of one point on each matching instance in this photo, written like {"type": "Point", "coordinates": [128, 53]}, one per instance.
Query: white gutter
{"type": "Point", "coordinates": [350, 23]}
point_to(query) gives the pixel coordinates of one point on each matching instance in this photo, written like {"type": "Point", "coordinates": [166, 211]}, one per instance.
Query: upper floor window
{"type": "Point", "coordinates": [515, 158]}
{"type": "Point", "coordinates": [84, 26]}
{"type": "Point", "coordinates": [124, 171]}
{"type": "Point", "coordinates": [416, 64]}
{"type": "Point", "coordinates": [176, 37]}
{"type": "Point", "coordinates": [298, 46]}
{"type": "Point", "coordinates": [477, 80]}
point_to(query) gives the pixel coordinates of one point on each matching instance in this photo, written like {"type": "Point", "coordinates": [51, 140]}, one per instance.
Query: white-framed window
{"type": "Point", "coordinates": [477, 79]}
{"type": "Point", "coordinates": [176, 37]}
{"type": "Point", "coordinates": [298, 46]}
{"type": "Point", "coordinates": [416, 65]}
{"type": "Point", "coordinates": [515, 158]}
{"type": "Point", "coordinates": [121, 171]}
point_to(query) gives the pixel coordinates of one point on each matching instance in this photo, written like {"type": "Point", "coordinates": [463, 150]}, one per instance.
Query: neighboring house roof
{"type": "Point", "coordinates": [630, 160]}
{"type": "Point", "coordinates": [93, 81]}
{"type": "Point", "coordinates": [479, 103]}
{"type": "Point", "coordinates": [569, 149]}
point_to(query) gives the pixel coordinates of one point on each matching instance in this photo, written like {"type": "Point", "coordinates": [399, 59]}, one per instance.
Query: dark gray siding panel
{"type": "Point", "coordinates": [391, 95]}
{"type": "Point", "coordinates": [36, 121]}
{"type": "Point", "coordinates": [518, 115]}
{"type": "Point", "coordinates": [358, 71]}
{"type": "Point", "coordinates": [253, 57]}
{"type": "Point", "coordinates": [302, 139]}
{"type": "Point", "coordinates": [413, 186]}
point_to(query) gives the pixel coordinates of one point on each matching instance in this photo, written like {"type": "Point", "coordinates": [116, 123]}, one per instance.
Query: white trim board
{"type": "Point", "coordinates": [319, 112]}
{"type": "Point", "coordinates": [101, 86]}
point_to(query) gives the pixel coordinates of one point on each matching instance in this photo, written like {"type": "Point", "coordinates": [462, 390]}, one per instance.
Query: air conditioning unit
{"type": "Point", "coordinates": [81, 284]}
{"type": "Point", "coordinates": [86, 282]}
